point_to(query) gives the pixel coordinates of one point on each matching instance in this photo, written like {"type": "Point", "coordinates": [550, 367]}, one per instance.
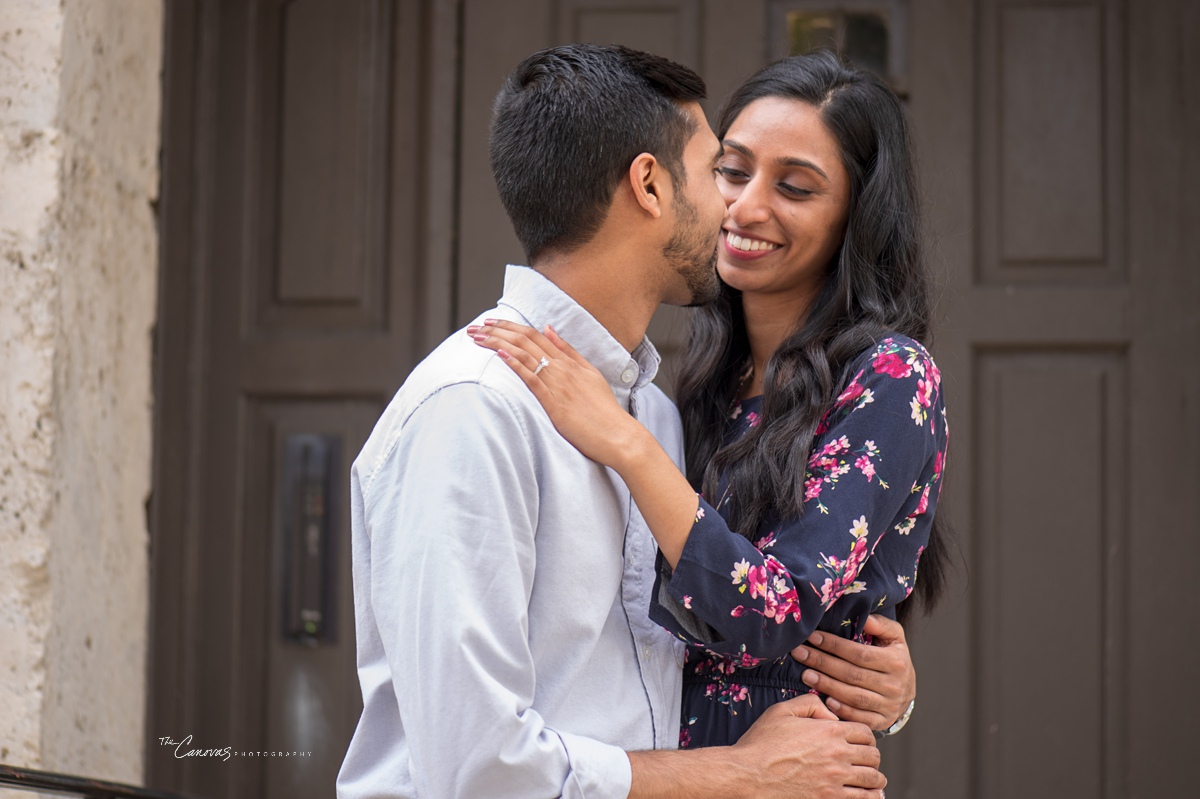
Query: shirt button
{"type": "Point", "coordinates": [628, 375]}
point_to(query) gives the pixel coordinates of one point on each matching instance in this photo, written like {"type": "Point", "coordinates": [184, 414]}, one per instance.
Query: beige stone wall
{"type": "Point", "coordinates": [79, 140]}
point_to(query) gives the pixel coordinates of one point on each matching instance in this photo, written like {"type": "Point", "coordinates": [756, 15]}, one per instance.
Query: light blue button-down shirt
{"type": "Point", "coordinates": [502, 581]}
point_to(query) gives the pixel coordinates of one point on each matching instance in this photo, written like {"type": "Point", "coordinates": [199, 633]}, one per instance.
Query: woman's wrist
{"type": "Point", "coordinates": [633, 443]}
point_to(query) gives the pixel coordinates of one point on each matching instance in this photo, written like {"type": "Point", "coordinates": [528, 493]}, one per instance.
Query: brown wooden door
{"type": "Point", "coordinates": [329, 214]}
{"type": "Point", "coordinates": [1054, 146]}
{"type": "Point", "coordinates": [305, 271]}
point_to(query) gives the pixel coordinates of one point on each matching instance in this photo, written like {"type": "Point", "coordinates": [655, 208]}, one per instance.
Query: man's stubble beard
{"type": "Point", "coordinates": [691, 256]}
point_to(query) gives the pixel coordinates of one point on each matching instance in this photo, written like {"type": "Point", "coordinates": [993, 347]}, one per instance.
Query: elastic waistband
{"type": "Point", "coordinates": [746, 678]}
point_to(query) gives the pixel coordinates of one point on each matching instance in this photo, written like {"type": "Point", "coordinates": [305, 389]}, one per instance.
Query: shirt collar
{"type": "Point", "coordinates": [541, 302]}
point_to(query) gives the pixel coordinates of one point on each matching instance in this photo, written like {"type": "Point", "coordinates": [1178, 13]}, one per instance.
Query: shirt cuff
{"type": "Point", "coordinates": [598, 770]}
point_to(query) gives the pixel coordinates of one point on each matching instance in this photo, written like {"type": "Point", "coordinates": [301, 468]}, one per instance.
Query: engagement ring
{"type": "Point", "coordinates": [542, 364]}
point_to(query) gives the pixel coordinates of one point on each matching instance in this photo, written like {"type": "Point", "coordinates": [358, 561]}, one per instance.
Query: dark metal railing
{"type": "Point", "coordinates": [24, 779]}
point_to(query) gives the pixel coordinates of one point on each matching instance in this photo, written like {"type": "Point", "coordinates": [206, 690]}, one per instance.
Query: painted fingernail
{"type": "Point", "coordinates": [503, 354]}
{"type": "Point", "coordinates": [479, 337]}
{"type": "Point", "coordinates": [809, 677]}
{"type": "Point", "coordinates": [815, 639]}
{"type": "Point", "coordinates": [489, 321]}
{"type": "Point", "coordinates": [801, 654]}
{"type": "Point", "coordinates": [833, 704]}
{"type": "Point", "coordinates": [472, 329]}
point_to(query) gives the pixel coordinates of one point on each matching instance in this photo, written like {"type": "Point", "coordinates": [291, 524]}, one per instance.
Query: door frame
{"type": "Point", "coordinates": [191, 53]}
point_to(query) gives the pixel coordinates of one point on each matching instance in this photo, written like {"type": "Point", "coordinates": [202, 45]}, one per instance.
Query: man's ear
{"type": "Point", "coordinates": [650, 184]}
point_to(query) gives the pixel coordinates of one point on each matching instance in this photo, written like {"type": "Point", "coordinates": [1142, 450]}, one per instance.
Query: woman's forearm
{"type": "Point", "coordinates": [663, 495]}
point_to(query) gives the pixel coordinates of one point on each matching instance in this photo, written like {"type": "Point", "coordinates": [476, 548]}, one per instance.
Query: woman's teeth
{"type": "Point", "coordinates": [748, 245]}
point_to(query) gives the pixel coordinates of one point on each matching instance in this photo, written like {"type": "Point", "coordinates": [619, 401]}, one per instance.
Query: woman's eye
{"type": "Point", "coordinates": [794, 191]}
{"type": "Point", "coordinates": [729, 173]}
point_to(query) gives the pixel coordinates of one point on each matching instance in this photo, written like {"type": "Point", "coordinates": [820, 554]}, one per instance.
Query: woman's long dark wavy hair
{"type": "Point", "coordinates": [876, 283]}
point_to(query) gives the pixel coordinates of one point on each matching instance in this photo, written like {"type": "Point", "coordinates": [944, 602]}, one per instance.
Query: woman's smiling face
{"type": "Point", "coordinates": [788, 195]}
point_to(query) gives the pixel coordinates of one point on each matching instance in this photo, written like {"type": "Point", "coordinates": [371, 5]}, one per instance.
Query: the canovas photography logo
{"type": "Point", "coordinates": [186, 747]}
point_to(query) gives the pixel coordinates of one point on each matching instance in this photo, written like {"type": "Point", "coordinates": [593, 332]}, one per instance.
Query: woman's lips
{"type": "Point", "coordinates": [746, 247]}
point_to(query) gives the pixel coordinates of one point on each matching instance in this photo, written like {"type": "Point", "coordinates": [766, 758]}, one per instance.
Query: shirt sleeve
{"type": "Point", "coordinates": [451, 518]}
{"type": "Point", "coordinates": [871, 488]}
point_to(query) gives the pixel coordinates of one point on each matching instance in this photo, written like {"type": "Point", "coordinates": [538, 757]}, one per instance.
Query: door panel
{"type": "Point", "coordinates": [306, 242]}
{"type": "Point", "coordinates": [1052, 427]}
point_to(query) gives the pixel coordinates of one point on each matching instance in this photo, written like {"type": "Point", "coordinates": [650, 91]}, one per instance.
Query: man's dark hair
{"type": "Point", "coordinates": [567, 124]}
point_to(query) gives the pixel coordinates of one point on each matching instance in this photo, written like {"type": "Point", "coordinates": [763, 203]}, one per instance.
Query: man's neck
{"type": "Point", "coordinates": [610, 288]}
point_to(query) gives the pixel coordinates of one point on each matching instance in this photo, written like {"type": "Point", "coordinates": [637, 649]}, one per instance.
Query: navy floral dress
{"type": "Point", "coordinates": [743, 603]}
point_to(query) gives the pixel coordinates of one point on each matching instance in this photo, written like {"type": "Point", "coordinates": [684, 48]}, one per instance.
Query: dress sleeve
{"type": "Point", "coordinates": [871, 488]}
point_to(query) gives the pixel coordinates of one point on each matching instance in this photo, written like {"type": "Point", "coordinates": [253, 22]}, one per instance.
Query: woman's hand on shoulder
{"type": "Point", "coordinates": [576, 396]}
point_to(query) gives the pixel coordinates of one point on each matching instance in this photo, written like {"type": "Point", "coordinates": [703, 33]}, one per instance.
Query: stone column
{"type": "Point", "coordinates": [79, 140]}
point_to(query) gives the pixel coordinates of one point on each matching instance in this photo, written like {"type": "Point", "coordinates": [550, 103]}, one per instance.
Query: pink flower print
{"type": "Point", "coordinates": [737, 411]}
{"type": "Point", "coordinates": [842, 573]}
{"type": "Point", "coordinates": [685, 737]}
{"type": "Point", "coordinates": [925, 392]}
{"type": "Point", "coordinates": [890, 364]}
{"type": "Point", "coordinates": [865, 466]}
{"type": "Point", "coordinates": [752, 419]}
{"type": "Point", "coordinates": [687, 601]}
{"type": "Point", "coordinates": [812, 488]}
{"type": "Point", "coordinates": [852, 392]}
{"type": "Point", "coordinates": [767, 540]}
{"type": "Point", "coordinates": [726, 693]}
{"type": "Point", "coordinates": [772, 584]}
{"type": "Point", "coordinates": [836, 447]}
{"type": "Point", "coordinates": [757, 579]}
{"type": "Point", "coordinates": [923, 504]}
{"type": "Point", "coordinates": [699, 513]}
{"type": "Point", "coordinates": [938, 462]}
{"type": "Point", "coordinates": [934, 374]}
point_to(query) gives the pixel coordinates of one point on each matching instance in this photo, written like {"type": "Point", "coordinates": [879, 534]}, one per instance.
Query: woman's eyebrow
{"type": "Point", "coordinates": [797, 162]}
{"type": "Point", "coordinates": [741, 148]}
{"type": "Point", "coordinates": [803, 164]}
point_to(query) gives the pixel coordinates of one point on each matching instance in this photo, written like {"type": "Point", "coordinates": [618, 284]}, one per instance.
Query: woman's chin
{"type": "Point", "coordinates": [738, 276]}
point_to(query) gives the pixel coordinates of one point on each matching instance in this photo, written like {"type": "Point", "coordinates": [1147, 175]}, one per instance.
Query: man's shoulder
{"type": "Point", "coordinates": [458, 377]}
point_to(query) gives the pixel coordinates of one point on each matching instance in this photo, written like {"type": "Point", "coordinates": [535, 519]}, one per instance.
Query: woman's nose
{"type": "Point", "coordinates": [749, 206]}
